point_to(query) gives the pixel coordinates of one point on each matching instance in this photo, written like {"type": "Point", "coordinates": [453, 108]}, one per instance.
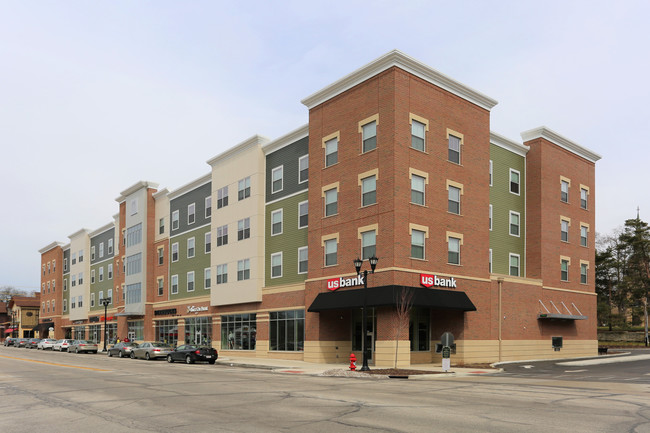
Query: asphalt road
{"type": "Point", "coordinates": [60, 392]}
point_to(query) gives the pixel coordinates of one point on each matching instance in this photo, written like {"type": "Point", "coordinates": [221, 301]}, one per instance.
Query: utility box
{"type": "Point", "coordinates": [557, 343]}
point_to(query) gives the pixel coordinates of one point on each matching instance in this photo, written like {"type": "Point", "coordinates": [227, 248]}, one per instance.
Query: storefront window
{"type": "Point", "coordinates": [111, 329]}
{"type": "Point", "coordinates": [287, 330]}
{"type": "Point", "coordinates": [79, 332]}
{"type": "Point", "coordinates": [238, 332]}
{"type": "Point", "coordinates": [420, 330]}
{"type": "Point", "coordinates": [198, 330]}
{"type": "Point", "coordinates": [136, 329]}
{"type": "Point", "coordinates": [95, 333]}
{"type": "Point", "coordinates": [167, 331]}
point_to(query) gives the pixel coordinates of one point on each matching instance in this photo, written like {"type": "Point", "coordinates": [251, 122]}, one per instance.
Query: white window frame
{"type": "Point", "coordinates": [562, 263]}
{"type": "Point", "coordinates": [564, 233]}
{"type": "Point", "coordinates": [491, 172]}
{"type": "Point", "coordinates": [174, 283]}
{"type": "Point", "coordinates": [274, 214]}
{"type": "Point", "coordinates": [330, 242]}
{"type": "Point", "coordinates": [300, 250]}
{"type": "Point", "coordinates": [191, 247]}
{"type": "Point", "coordinates": [279, 169]}
{"type": "Point", "coordinates": [416, 123]}
{"type": "Point", "coordinates": [456, 241]}
{"type": "Point", "coordinates": [301, 169]}
{"type": "Point", "coordinates": [191, 213]}
{"type": "Point", "coordinates": [584, 276]}
{"type": "Point", "coordinates": [208, 206]}
{"type": "Point", "coordinates": [584, 198]}
{"type": "Point", "coordinates": [584, 229]}
{"type": "Point", "coordinates": [510, 256]}
{"type": "Point", "coordinates": [423, 244]}
{"type": "Point", "coordinates": [175, 220]}
{"type": "Point", "coordinates": [330, 144]}
{"type": "Point", "coordinates": [413, 188]}
{"type": "Point", "coordinates": [328, 194]}
{"type": "Point", "coordinates": [365, 237]}
{"type": "Point", "coordinates": [207, 242]}
{"type": "Point", "coordinates": [245, 192]}
{"type": "Point", "coordinates": [366, 128]}
{"type": "Point", "coordinates": [490, 217]}
{"type": "Point", "coordinates": [192, 280]}
{"type": "Point", "coordinates": [450, 199]}
{"type": "Point", "coordinates": [510, 183]}
{"type": "Point", "coordinates": [300, 205]}
{"type": "Point", "coordinates": [222, 271]}
{"type": "Point", "coordinates": [518, 215]}
{"type": "Point", "coordinates": [273, 266]}
{"type": "Point", "coordinates": [564, 183]}
{"type": "Point", "coordinates": [174, 248]}
{"type": "Point", "coordinates": [207, 278]}
{"type": "Point", "coordinates": [365, 184]}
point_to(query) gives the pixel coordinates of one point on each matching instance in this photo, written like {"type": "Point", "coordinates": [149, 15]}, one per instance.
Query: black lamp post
{"type": "Point", "coordinates": [105, 302]}
{"type": "Point", "coordinates": [13, 323]}
{"type": "Point", "coordinates": [364, 315]}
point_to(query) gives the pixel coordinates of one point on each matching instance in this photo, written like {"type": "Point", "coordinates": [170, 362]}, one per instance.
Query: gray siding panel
{"type": "Point", "coordinates": [288, 157]}
{"type": "Point", "coordinates": [196, 196]}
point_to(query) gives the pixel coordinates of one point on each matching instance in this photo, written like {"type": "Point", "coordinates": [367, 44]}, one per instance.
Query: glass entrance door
{"type": "Point", "coordinates": [370, 333]}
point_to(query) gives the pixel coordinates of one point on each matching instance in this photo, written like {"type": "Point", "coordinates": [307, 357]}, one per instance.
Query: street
{"type": "Point", "coordinates": [60, 392]}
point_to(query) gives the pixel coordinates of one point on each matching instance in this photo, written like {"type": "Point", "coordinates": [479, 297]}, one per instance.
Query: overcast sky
{"type": "Point", "coordinates": [95, 96]}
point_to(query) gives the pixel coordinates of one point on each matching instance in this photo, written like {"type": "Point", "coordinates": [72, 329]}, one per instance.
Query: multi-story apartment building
{"type": "Point", "coordinates": [492, 239]}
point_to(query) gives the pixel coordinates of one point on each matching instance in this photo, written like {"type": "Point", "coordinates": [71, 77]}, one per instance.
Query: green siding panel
{"type": "Point", "coordinates": [198, 263]}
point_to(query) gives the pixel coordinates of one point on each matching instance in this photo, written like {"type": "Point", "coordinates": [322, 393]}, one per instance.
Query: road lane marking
{"type": "Point", "coordinates": [53, 363]}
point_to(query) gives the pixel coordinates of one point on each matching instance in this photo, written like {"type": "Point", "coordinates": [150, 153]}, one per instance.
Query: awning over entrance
{"type": "Point", "coordinates": [42, 327]}
{"type": "Point", "coordinates": [388, 295]}
{"type": "Point", "coordinates": [553, 316]}
{"type": "Point", "coordinates": [7, 331]}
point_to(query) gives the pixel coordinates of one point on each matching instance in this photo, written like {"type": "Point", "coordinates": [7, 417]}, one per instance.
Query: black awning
{"type": "Point", "coordinates": [388, 295]}
{"type": "Point", "coordinates": [43, 326]}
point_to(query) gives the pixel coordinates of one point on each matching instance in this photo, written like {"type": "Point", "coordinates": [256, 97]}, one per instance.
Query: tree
{"type": "Point", "coordinates": [403, 305]}
{"type": "Point", "coordinates": [8, 292]}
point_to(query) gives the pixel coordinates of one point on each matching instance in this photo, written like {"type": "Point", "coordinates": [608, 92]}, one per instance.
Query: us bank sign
{"type": "Point", "coordinates": [433, 280]}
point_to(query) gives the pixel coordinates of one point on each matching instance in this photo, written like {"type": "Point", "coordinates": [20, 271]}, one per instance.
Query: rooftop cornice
{"type": "Point", "coordinates": [161, 193]}
{"type": "Point", "coordinates": [133, 188]}
{"type": "Point", "coordinates": [563, 142]}
{"type": "Point", "coordinates": [254, 141]}
{"type": "Point", "coordinates": [51, 247]}
{"type": "Point", "coordinates": [508, 144]}
{"type": "Point", "coordinates": [80, 232]}
{"type": "Point", "coordinates": [190, 186]}
{"type": "Point", "coordinates": [102, 229]}
{"type": "Point", "coordinates": [398, 59]}
{"type": "Point", "coordinates": [286, 139]}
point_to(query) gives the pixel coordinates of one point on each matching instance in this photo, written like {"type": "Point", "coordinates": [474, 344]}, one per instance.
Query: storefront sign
{"type": "Point", "coordinates": [93, 319]}
{"type": "Point", "coordinates": [432, 280]}
{"type": "Point", "coordinates": [336, 283]}
{"type": "Point", "coordinates": [166, 312]}
{"type": "Point", "coordinates": [107, 318]}
{"type": "Point", "coordinates": [78, 322]}
{"type": "Point", "coordinates": [193, 309]}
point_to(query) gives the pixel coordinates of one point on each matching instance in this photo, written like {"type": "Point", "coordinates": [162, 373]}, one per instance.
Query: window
{"type": "Point", "coordinates": [161, 226]}
{"type": "Point", "coordinates": [74, 261]}
{"type": "Point", "coordinates": [584, 230]}
{"type": "Point", "coordinates": [134, 206]}
{"type": "Point", "coordinates": [101, 295]}
{"type": "Point", "coordinates": [161, 286]}
{"type": "Point", "coordinates": [331, 248]}
{"type": "Point", "coordinates": [417, 244]}
{"type": "Point", "coordinates": [303, 169]}
{"type": "Point", "coordinates": [134, 264]}
{"type": "Point", "coordinates": [191, 213]}
{"type": "Point", "coordinates": [514, 181]}
{"type": "Point", "coordinates": [175, 220]}
{"type": "Point", "coordinates": [490, 260]}
{"type": "Point", "coordinates": [331, 152]}
{"type": "Point", "coordinates": [490, 217]}
{"type": "Point", "coordinates": [243, 270]}
{"type": "Point", "coordinates": [92, 277]}
{"type": "Point", "coordinates": [222, 197]}
{"type": "Point", "coordinates": [244, 188]}
{"type": "Point", "coordinates": [110, 295]}
{"type": "Point", "coordinates": [110, 271]}
{"type": "Point", "coordinates": [80, 278]}
{"type": "Point", "coordinates": [303, 214]}
{"type": "Point", "coordinates": [564, 270]}
{"type": "Point", "coordinates": [491, 171]}
{"type": "Point", "coordinates": [514, 223]}
{"type": "Point", "coordinates": [564, 230]}
{"type": "Point", "coordinates": [453, 251]}
{"type": "Point", "coordinates": [65, 305]}
{"type": "Point", "coordinates": [368, 191]}
{"type": "Point", "coordinates": [101, 250]}
{"type": "Point", "coordinates": [222, 274]}
{"type": "Point", "coordinates": [190, 281]}
{"type": "Point", "coordinates": [564, 191]}
{"type": "Point", "coordinates": [420, 330]}
{"type": "Point", "coordinates": [65, 285]}
{"type": "Point", "coordinates": [190, 248]}
{"type": "Point", "coordinates": [303, 257]}
{"type": "Point", "coordinates": [276, 222]}
{"type": "Point", "coordinates": [207, 278]}
{"type": "Point", "coordinates": [92, 257]}
{"type": "Point", "coordinates": [277, 175]}
{"type": "Point", "coordinates": [53, 306]}
{"type": "Point", "coordinates": [65, 265]}
{"type": "Point", "coordinates": [238, 332]}
{"type": "Point", "coordinates": [454, 149]}
{"type": "Point", "coordinates": [276, 265]}
{"type": "Point", "coordinates": [174, 252]}
{"type": "Point", "coordinates": [583, 273]}
{"type": "Point", "coordinates": [331, 202]}
{"type": "Point", "coordinates": [368, 244]}
{"type": "Point", "coordinates": [53, 265]}
{"type": "Point", "coordinates": [74, 281]}
{"type": "Point", "coordinates": [161, 256]}
{"type": "Point", "coordinates": [453, 203]}
{"type": "Point", "coordinates": [584, 195]}
{"type": "Point", "coordinates": [134, 235]}
{"type": "Point", "coordinates": [53, 286]}
{"type": "Point", "coordinates": [514, 265]}
{"type": "Point", "coordinates": [222, 235]}
{"type": "Point", "coordinates": [43, 269]}
{"type": "Point", "coordinates": [207, 242]}
{"type": "Point", "coordinates": [80, 301]}
{"type": "Point", "coordinates": [287, 330]}
{"type": "Point", "coordinates": [243, 229]}
{"type": "Point", "coordinates": [417, 189]}
{"type": "Point", "coordinates": [92, 299]}
{"type": "Point", "coordinates": [101, 274]}
{"type": "Point", "coordinates": [174, 284]}
{"type": "Point", "coordinates": [417, 135]}
{"type": "Point", "coordinates": [110, 247]}
{"type": "Point", "coordinates": [369, 136]}
{"type": "Point", "coordinates": [208, 207]}
{"type": "Point", "coordinates": [81, 256]}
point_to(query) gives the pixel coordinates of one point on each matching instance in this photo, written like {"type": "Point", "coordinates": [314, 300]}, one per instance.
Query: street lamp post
{"type": "Point", "coordinates": [364, 314]}
{"type": "Point", "coordinates": [105, 302]}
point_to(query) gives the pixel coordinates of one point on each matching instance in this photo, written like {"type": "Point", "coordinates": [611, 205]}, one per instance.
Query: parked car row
{"type": "Point", "coordinates": [149, 350]}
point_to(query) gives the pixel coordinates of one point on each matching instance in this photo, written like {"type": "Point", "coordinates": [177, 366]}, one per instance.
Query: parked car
{"type": "Point", "coordinates": [9, 341]}
{"type": "Point", "coordinates": [151, 350]}
{"type": "Point", "coordinates": [191, 353]}
{"type": "Point", "coordinates": [32, 343]}
{"type": "Point", "coordinates": [20, 342]}
{"type": "Point", "coordinates": [78, 346]}
{"type": "Point", "coordinates": [46, 343]}
{"type": "Point", "coordinates": [62, 345]}
{"type": "Point", "coordinates": [122, 350]}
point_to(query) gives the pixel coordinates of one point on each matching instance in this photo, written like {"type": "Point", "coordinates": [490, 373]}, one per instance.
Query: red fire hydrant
{"type": "Point", "coordinates": [353, 362]}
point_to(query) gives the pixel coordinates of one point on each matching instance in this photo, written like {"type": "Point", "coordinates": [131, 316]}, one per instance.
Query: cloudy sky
{"type": "Point", "coordinates": [95, 96]}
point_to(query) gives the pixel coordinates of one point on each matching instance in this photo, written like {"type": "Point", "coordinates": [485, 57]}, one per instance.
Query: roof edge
{"type": "Point", "coordinates": [557, 139]}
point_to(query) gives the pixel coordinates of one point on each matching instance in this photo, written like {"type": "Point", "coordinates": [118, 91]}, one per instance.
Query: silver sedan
{"type": "Point", "coordinates": [151, 350]}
